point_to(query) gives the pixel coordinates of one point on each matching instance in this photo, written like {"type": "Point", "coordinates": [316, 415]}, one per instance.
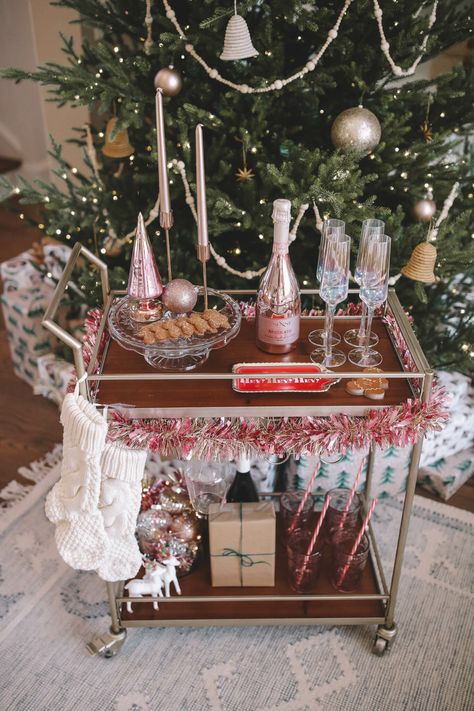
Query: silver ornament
{"type": "Point", "coordinates": [179, 296]}
{"type": "Point", "coordinates": [356, 129]}
{"type": "Point", "coordinates": [424, 210]}
{"type": "Point", "coordinates": [169, 81]}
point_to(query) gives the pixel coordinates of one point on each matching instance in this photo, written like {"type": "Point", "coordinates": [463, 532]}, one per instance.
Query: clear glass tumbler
{"type": "Point", "coordinates": [337, 519]}
{"type": "Point", "coordinates": [303, 569]}
{"type": "Point", "coordinates": [207, 483]}
{"type": "Point", "coordinates": [290, 502]}
{"type": "Point", "coordinates": [347, 570]}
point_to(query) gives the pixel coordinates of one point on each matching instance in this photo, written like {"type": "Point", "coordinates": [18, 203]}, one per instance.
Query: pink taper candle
{"type": "Point", "coordinates": [314, 537]}
{"type": "Point", "coordinates": [357, 541]}
{"type": "Point", "coordinates": [203, 239]}
{"type": "Point", "coordinates": [166, 214]}
{"type": "Point", "coordinates": [304, 499]}
{"type": "Point", "coordinates": [351, 495]}
{"type": "Point", "coordinates": [203, 252]}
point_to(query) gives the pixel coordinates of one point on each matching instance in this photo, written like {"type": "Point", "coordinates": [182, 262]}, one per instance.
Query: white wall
{"type": "Point", "coordinates": [29, 36]}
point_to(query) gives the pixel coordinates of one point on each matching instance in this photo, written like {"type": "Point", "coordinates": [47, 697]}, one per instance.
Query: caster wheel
{"type": "Point", "coordinates": [108, 645]}
{"type": "Point", "coordinates": [380, 646]}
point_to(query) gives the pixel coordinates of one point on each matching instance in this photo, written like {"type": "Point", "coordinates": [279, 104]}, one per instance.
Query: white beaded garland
{"type": "Point", "coordinates": [314, 57]}
{"type": "Point", "coordinates": [219, 259]}
{"type": "Point", "coordinates": [148, 44]}
{"type": "Point", "coordinates": [277, 84]}
{"type": "Point", "coordinates": [385, 46]}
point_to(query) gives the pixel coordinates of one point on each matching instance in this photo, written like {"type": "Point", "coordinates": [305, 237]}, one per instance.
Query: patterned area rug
{"type": "Point", "coordinates": [49, 612]}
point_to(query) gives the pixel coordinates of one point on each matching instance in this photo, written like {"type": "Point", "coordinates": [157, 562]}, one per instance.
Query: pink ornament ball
{"type": "Point", "coordinates": [179, 296]}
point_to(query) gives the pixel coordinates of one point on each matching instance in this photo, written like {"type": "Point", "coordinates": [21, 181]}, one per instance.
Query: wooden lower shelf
{"type": "Point", "coordinates": [236, 610]}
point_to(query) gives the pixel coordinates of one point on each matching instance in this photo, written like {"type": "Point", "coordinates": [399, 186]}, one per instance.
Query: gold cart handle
{"type": "Point", "coordinates": [48, 320]}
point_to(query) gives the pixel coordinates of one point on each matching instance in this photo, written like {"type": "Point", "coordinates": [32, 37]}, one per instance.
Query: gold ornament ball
{"type": "Point", "coordinates": [356, 129]}
{"type": "Point", "coordinates": [424, 210]}
{"type": "Point", "coordinates": [174, 502]}
{"type": "Point", "coordinates": [186, 526]}
{"type": "Point", "coordinates": [179, 296]}
{"type": "Point", "coordinates": [169, 81]}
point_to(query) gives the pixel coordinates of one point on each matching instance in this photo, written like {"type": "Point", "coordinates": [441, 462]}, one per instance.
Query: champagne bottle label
{"type": "Point", "coordinates": [278, 330]}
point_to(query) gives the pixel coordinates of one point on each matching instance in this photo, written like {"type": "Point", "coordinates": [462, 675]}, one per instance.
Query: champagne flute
{"type": "Point", "coordinates": [334, 288]}
{"type": "Point", "coordinates": [331, 228]}
{"type": "Point", "coordinates": [373, 292]}
{"type": "Point", "coordinates": [356, 336]}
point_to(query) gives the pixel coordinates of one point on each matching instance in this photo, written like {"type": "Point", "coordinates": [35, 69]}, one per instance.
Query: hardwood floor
{"type": "Point", "coordinates": [29, 424]}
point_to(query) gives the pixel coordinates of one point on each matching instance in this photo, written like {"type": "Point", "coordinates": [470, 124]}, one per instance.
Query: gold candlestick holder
{"type": "Point", "coordinates": [204, 254]}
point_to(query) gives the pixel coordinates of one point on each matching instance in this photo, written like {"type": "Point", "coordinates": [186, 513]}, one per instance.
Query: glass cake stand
{"type": "Point", "coordinates": [182, 354]}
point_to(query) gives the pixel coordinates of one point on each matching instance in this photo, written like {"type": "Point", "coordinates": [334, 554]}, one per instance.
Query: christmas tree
{"type": "Point", "coordinates": [314, 61]}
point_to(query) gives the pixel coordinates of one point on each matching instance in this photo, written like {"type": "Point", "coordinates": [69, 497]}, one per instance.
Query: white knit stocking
{"type": "Point", "coordinates": [72, 504]}
{"type": "Point", "coordinates": [119, 504]}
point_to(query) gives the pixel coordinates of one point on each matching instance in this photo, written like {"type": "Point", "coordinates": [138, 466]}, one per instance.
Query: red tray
{"type": "Point", "coordinates": [299, 377]}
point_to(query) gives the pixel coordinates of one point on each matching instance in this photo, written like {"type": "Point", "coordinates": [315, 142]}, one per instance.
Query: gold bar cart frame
{"type": "Point", "coordinates": [109, 644]}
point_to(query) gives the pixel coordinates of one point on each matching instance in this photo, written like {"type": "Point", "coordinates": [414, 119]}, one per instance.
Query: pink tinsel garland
{"type": "Point", "coordinates": [224, 438]}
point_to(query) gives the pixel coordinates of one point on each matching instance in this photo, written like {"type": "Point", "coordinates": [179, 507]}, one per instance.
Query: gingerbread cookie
{"type": "Point", "coordinates": [184, 327]}
{"type": "Point", "coordinates": [373, 388]}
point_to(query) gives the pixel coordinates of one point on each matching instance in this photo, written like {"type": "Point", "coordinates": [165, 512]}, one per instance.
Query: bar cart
{"type": "Point", "coordinates": [116, 376]}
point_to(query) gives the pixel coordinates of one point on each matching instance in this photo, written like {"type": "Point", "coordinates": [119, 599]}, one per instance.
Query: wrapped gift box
{"type": "Point", "coordinates": [53, 377]}
{"type": "Point", "coordinates": [445, 476]}
{"type": "Point", "coordinates": [458, 435]}
{"type": "Point", "coordinates": [242, 542]}
{"type": "Point", "coordinates": [23, 311]}
{"type": "Point", "coordinates": [23, 272]}
{"type": "Point", "coordinates": [27, 292]}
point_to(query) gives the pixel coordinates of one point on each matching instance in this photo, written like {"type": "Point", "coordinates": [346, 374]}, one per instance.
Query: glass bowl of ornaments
{"type": "Point", "coordinates": [180, 335]}
{"type": "Point", "coordinates": [167, 524]}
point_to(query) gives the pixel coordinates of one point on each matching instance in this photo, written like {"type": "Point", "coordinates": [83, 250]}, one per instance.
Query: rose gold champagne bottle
{"type": "Point", "coordinates": [278, 299]}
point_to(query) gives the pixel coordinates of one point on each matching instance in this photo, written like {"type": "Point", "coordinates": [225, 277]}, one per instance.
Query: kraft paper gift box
{"type": "Point", "coordinates": [242, 540]}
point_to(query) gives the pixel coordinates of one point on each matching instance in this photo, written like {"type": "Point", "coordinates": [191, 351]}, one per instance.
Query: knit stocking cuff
{"type": "Point", "coordinates": [84, 427]}
{"type": "Point", "coordinates": [123, 463]}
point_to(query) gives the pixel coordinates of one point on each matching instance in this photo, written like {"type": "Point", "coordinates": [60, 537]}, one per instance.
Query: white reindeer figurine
{"type": "Point", "coordinates": [151, 584]}
{"type": "Point", "coordinates": [169, 575]}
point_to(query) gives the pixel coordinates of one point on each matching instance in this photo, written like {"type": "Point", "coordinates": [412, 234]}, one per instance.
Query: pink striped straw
{"type": "Point", "coordinates": [309, 488]}
{"type": "Point", "coordinates": [315, 535]}
{"type": "Point", "coordinates": [351, 495]}
{"type": "Point", "coordinates": [357, 541]}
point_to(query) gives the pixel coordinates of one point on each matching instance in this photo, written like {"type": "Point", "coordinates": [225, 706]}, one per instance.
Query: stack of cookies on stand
{"type": "Point", "coordinates": [209, 321]}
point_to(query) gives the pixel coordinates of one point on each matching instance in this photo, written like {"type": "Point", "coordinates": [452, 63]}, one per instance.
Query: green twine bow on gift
{"type": "Point", "coordinates": [246, 561]}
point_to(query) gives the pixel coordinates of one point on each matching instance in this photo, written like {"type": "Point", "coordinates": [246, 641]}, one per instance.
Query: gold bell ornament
{"type": "Point", "coordinates": [237, 41]}
{"type": "Point", "coordinates": [119, 146]}
{"type": "Point", "coordinates": [421, 264]}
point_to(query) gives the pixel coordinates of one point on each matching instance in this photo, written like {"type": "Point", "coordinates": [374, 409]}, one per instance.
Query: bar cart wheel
{"type": "Point", "coordinates": [380, 646]}
{"type": "Point", "coordinates": [384, 639]}
{"type": "Point", "coordinates": [108, 645]}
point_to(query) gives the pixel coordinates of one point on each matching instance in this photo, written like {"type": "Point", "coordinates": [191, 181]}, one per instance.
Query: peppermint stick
{"type": "Point", "coordinates": [357, 542]}
{"type": "Point", "coordinates": [351, 495]}
{"type": "Point", "coordinates": [315, 535]}
{"type": "Point", "coordinates": [306, 494]}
